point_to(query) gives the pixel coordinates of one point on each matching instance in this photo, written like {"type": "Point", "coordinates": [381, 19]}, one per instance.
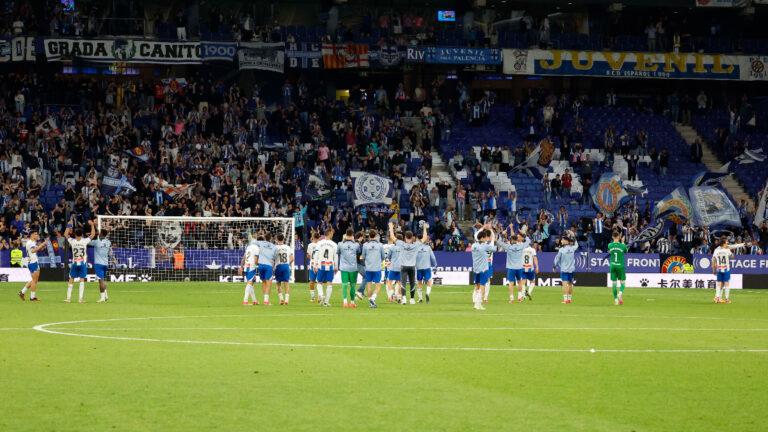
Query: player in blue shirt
{"type": "Point", "coordinates": [102, 252]}
{"type": "Point", "coordinates": [480, 250]}
{"type": "Point", "coordinates": [425, 260]}
{"type": "Point", "coordinates": [514, 249]}
{"type": "Point", "coordinates": [395, 259]}
{"type": "Point", "coordinates": [266, 262]}
{"type": "Point", "coordinates": [373, 256]}
{"type": "Point", "coordinates": [565, 260]}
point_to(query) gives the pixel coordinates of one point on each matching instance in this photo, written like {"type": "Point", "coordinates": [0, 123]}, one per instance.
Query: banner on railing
{"type": "Point", "coordinates": [454, 55]}
{"type": "Point", "coordinates": [122, 50]}
{"type": "Point", "coordinates": [262, 56]}
{"type": "Point", "coordinates": [219, 51]}
{"type": "Point", "coordinates": [17, 49]}
{"type": "Point", "coordinates": [386, 56]}
{"type": "Point", "coordinates": [635, 64]}
{"type": "Point", "coordinates": [304, 55]}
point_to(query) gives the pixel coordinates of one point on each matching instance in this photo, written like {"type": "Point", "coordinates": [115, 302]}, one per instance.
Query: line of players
{"type": "Point", "coordinates": [78, 269]}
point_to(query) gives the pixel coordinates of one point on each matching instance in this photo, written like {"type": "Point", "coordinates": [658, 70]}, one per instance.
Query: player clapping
{"type": "Point", "coordinates": [349, 251]}
{"type": "Point", "coordinates": [480, 250]}
{"type": "Point", "coordinates": [530, 270]}
{"type": "Point", "coordinates": [327, 265]}
{"type": "Point", "coordinates": [78, 271]}
{"type": "Point", "coordinates": [373, 256]}
{"type": "Point", "coordinates": [565, 260]}
{"type": "Point", "coordinates": [265, 260]}
{"type": "Point", "coordinates": [425, 260]}
{"type": "Point", "coordinates": [102, 251]}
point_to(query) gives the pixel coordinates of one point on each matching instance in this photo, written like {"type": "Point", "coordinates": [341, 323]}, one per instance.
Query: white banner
{"type": "Point", "coordinates": [15, 274]}
{"type": "Point", "coordinates": [676, 280]}
{"type": "Point", "coordinates": [123, 50]}
{"type": "Point", "coordinates": [371, 188]}
{"type": "Point", "coordinates": [262, 56]}
{"type": "Point", "coordinates": [17, 49]}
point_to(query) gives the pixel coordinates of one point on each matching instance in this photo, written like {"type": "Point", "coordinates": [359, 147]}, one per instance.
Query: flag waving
{"type": "Point", "coordinates": [341, 56]}
{"type": "Point", "coordinates": [609, 194]}
{"type": "Point", "coordinates": [675, 207]}
{"type": "Point", "coordinates": [712, 207]}
{"type": "Point", "coordinates": [371, 189]}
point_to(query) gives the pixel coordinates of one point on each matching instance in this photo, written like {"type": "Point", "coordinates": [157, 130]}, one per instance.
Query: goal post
{"type": "Point", "coordinates": [179, 248]}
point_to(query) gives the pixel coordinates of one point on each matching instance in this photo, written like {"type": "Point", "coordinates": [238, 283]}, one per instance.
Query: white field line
{"type": "Point", "coordinates": [44, 328]}
{"type": "Point", "coordinates": [352, 328]}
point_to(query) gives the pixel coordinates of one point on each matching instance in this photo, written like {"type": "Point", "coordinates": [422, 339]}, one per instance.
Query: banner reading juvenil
{"type": "Point", "coordinates": [634, 64]}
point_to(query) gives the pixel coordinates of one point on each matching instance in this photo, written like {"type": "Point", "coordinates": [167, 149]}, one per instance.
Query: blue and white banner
{"type": "Point", "coordinates": [17, 49]}
{"type": "Point", "coordinates": [762, 207]}
{"type": "Point", "coordinates": [675, 207]}
{"type": "Point", "coordinates": [386, 56]}
{"type": "Point", "coordinates": [219, 51]}
{"type": "Point", "coordinates": [261, 56]}
{"type": "Point", "coordinates": [705, 178]}
{"type": "Point", "coordinates": [609, 194]}
{"type": "Point", "coordinates": [371, 189]}
{"type": "Point", "coordinates": [712, 207]}
{"type": "Point", "coordinates": [454, 55]}
{"type": "Point", "coordinates": [114, 183]}
{"type": "Point", "coordinates": [304, 55]}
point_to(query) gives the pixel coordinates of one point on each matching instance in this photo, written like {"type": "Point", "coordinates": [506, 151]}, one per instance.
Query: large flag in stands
{"type": "Point", "coordinates": [609, 193]}
{"type": "Point", "coordinates": [341, 56]}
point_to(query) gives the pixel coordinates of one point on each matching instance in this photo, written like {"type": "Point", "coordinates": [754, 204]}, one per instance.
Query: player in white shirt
{"type": "Point", "coordinates": [530, 270]}
{"type": "Point", "coordinates": [249, 267]}
{"type": "Point", "coordinates": [721, 266]}
{"type": "Point", "coordinates": [32, 247]}
{"type": "Point", "coordinates": [327, 264]}
{"type": "Point", "coordinates": [283, 265]}
{"type": "Point", "coordinates": [312, 266]}
{"type": "Point", "coordinates": [489, 275]}
{"type": "Point", "coordinates": [78, 271]}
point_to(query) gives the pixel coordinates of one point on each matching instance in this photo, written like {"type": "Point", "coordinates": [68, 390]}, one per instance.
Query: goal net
{"type": "Point", "coordinates": [148, 248]}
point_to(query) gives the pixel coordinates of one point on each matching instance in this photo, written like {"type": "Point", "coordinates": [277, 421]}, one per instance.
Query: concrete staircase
{"type": "Point", "coordinates": [713, 163]}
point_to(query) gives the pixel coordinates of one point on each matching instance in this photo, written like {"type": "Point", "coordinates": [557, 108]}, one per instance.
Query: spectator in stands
{"type": "Point", "coordinates": [701, 102]}
{"type": "Point", "coordinates": [567, 182]}
{"type": "Point", "coordinates": [181, 26]}
{"type": "Point", "coordinates": [632, 161]}
{"type": "Point", "coordinates": [663, 162]}
{"type": "Point", "coordinates": [661, 36]}
{"type": "Point", "coordinates": [562, 218]}
{"type": "Point", "coordinates": [696, 151]}
{"type": "Point", "coordinates": [650, 33]}
{"type": "Point", "coordinates": [556, 186]}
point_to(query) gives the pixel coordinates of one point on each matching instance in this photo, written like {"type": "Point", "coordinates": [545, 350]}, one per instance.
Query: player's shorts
{"type": "Point", "coordinates": [393, 275]}
{"type": "Point", "coordinates": [250, 274]}
{"type": "Point", "coordinates": [373, 276]}
{"type": "Point", "coordinates": [488, 273]}
{"type": "Point", "coordinates": [312, 275]}
{"type": "Point", "coordinates": [33, 267]}
{"type": "Point", "coordinates": [618, 274]}
{"type": "Point", "coordinates": [566, 277]}
{"type": "Point", "coordinates": [265, 272]}
{"type": "Point", "coordinates": [724, 276]}
{"type": "Point", "coordinates": [349, 277]}
{"type": "Point", "coordinates": [325, 275]}
{"type": "Point", "coordinates": [78, 271]}
{"type": "Point", "coordinates": [514, 275]}
{"type": "Point", "coordinates": [424, 275]}
{"type": "Point", "coordinates": [480, 278]}
{"type": "Point", "coordinates": [282, 273]}
{"type": "Point", "coordinates": [529, 275]}
{"type": "Point", "coordinates": [101, 271]}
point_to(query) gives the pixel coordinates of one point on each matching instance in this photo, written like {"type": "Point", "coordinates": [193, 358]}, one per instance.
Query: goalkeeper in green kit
{"type": "Point", "coordinates": [616, 251]}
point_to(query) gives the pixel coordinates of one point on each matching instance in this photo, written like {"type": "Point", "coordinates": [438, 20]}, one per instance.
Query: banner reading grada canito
{"type": "Point", "coordinates": [631, 64]}
{"type": "Point", "coordinates": [123, 50]}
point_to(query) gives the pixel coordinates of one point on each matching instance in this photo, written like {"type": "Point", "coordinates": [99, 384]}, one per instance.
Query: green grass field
{"type": "Point", "coordinates": [189, 357]}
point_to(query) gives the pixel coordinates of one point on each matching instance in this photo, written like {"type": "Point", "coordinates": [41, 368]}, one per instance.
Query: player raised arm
{"type": "Point", "coordinates": [425, 233]}
{"type": "Point", "coordinates": [93, 230]}
{"type": "Point", "coordinates": [392, 237]}
{"type": "Point", "coordinates": [536, 263]}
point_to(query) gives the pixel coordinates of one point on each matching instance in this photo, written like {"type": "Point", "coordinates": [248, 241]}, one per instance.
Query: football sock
{"type": "Point", "coordinates": [352, 292]}
{"type": "Point", "coordinates": [373, 296]}
{"type": "Point", "coordinates": [69, 291]}
{"type": "Point", "coordinates": [280, 296]}
{"type": "Point", "coordinates": [266, 298]}
{"type": "Point", "coordinates": [24, 290]}
{"type": "Point", "coordinates": [727, 292]}
{"type": "Point", "coordinates": [247, 295]}
{"type": "Point", "coordinates": [311, 294]}
{"type": "Point", "coordinates": [623, 284]}
{"type": "Point", "coordinates": [615, 292]}
{"type": "Point", "coordinates": [487, 291]}
{"type": "Point", "coordinates": [319, 290]}
{"type": "Point", "coordinates": [328, 291]}
{"type": "Point", "coordinates": [418, 291]}
{"type": "Point", "coordinates": [429, 289]}
{"type": "Point", "coordinates": [531, 286]}
{"type": "Point", "coordinates": [718, 291]}
{"type": "Point", "coordinates": [33, 295]}
{"type": "Point", "coordinates": [344, 291]}
{"type": "Point", "coordinates": [287, 297]}
{"type": "Point", "coordinates": [82, 290]}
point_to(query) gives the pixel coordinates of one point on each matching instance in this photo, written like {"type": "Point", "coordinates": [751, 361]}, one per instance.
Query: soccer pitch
{"type": "Point", "coordinates": [188, 356]}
